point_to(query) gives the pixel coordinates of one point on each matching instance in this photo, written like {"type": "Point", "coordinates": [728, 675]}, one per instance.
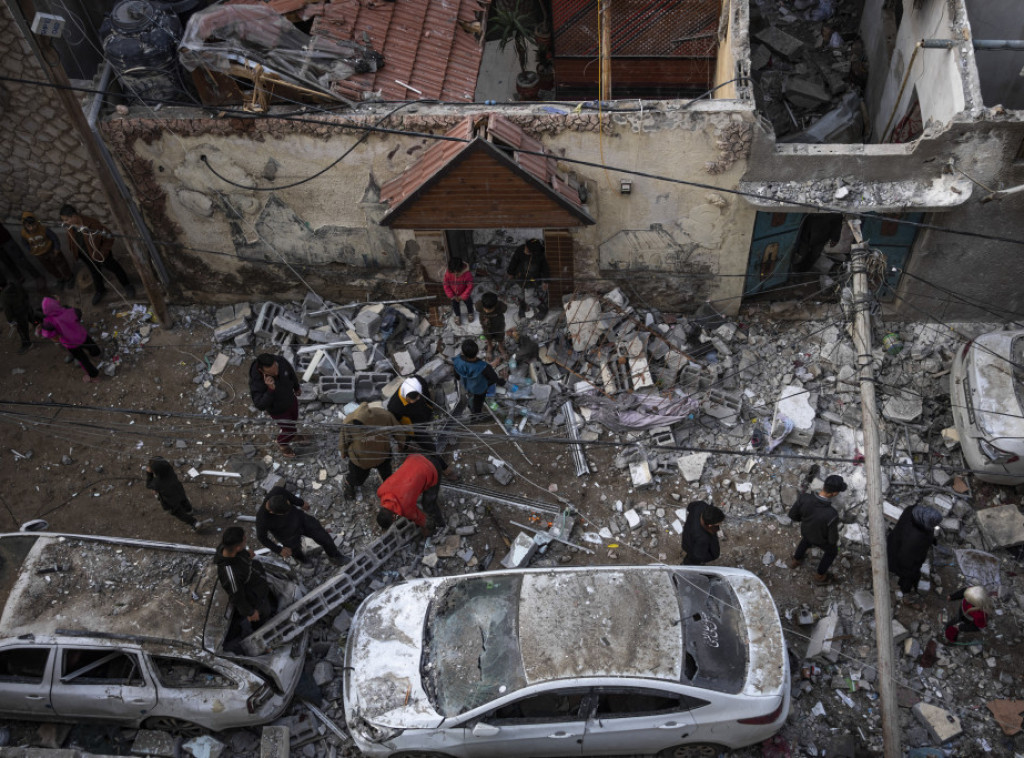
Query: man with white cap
{"type": "Point", "coordinates": [412, 407]}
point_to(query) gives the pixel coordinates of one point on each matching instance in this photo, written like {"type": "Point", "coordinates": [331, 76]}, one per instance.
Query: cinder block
{"type": "Point", "coordinates": [689, 376]}
{"type": "Point", "coordinates": [367, 324]}
{"type": "Point", "coordinates": [337, 389]}
{"type": "Point", "coordinates": [322, 335]}
{"type": "Point", "coordinates": [230, 330]}
{"type": "Point", "coordinates": [280, 337]}
{"type": "Point", "coordinates": [404, 362]}
{"type": "Point", "coordinates": [368, 386]}
{"type": "Point", "coordinates": [723, 406]}
{"type": "Point", "coordinates": [265, 321]}
{"type": "Point", "coordinates": [275, 742]}
{"type": "Point", "coordinates": [290, 325]}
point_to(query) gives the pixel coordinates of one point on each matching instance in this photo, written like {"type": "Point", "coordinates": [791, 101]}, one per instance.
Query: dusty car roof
{"type": "Point", "coordinates": [627, 620]}
{"type": "Point", "coordinates": [113, 587]}
{"type": "Point", "coordinates": [996, 379]}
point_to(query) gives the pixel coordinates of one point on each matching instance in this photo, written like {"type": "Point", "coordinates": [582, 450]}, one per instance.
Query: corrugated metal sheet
{"type": "Point", "coordinates": [427, 54]}
{"type": "Point", "coordinates": [640, 28]}
{"type": "Point", "coordinates": [499, 131]}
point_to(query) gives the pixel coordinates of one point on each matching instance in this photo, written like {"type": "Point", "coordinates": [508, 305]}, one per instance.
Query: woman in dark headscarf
{"type": "Point", "coordinates": [160, 476]}
{"type": "Point", "coordinates": [909, 542]}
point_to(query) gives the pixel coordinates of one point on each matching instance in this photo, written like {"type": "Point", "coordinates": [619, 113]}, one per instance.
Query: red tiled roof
{"type": "Point", "coordinates": [422, 42]}
{"type": "Point", "coordinates": [492, 128]}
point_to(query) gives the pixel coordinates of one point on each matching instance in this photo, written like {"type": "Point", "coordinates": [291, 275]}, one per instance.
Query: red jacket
{"type": "Point", "coordinates": [458, 286]}
{"type": "Point", "coordinates": [400, 491]}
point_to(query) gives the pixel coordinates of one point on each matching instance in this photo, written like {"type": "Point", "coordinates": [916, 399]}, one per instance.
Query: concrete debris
{"type": "Point", "coordinates": [1001, 526]}
{"type": "Point", "coordinates": [154, 743]}
{"type": "Point", "coordinates": [941, 724]}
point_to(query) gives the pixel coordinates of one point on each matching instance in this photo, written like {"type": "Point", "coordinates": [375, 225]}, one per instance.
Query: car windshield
{"type": "Point", "coordinates": [472, 651]}
{"type": "Point", "coordinates": [714, 632]}
{"type": "Point", "coordinates": [1017, 363]}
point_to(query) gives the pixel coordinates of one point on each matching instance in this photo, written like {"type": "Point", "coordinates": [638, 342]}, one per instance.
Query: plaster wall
{"type": "Point", "coordinates": [933, 74]}
{"type": "Point", "coordinates": [238, 243]}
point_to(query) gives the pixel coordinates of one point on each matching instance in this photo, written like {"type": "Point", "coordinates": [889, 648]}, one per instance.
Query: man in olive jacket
{"type": "Point", "coordinates": [365, 440]}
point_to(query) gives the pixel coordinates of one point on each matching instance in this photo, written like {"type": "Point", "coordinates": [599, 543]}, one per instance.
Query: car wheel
{"type": "Point", "coordinates": [168, 724]}
{"type": "Point", "coordinates": [694, 750]}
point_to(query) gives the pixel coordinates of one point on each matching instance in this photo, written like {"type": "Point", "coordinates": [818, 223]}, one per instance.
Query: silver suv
{"type": "Point", "coordinates": [135, 632]}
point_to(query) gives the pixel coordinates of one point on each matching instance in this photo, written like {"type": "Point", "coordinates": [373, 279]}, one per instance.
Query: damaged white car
{"type": "Point", "coordinates": [131, 632]}
{"type": "Point", "coordinates": [986, 392]}
{"type": "Point", "coordinates": [672, 661]}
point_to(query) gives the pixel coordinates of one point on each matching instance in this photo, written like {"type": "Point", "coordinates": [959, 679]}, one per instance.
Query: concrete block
{"type": "Point", "coordinates": [265, 321]}
{"type": "Point", "coordinates": [291, 325]}
{"type": "Point", "coordinates": [640, 373]}
{"type": "Point", "coordinates": [906, 408]}
{"type": "Point", "coordinates": [244, 340]}
{"type": "Point", "coordinates": [794, 403]}
{"type": "Point", "coordinates": [781, 42]}
{"type": "Point", "coordinates": [150, 742]}
{"type": "Point", "coordinates": [691, 375]}
{"type": "Point", "coordinates": [523, 548]}
{"type": "Point", "coordinates": [899, 632]}
{"type": "Point", "coordinates": [1001, 526]}
{"type": "Point", "coordinates": [436, 370]}
{"type": "Point", "coordinates": [230, 330]}
{"type": "Point", "coordinates": [864, 601]}
{"type": "Point", "coordinates": [662, 436]}
{"type": "Point", "coordinates": [582, 321]}
{"type": "Point", "coordinates": [857, 534]}
{"type": "Point", "coordinates": [640, 474]}
{"type": "Point", "coordinates": [275, 742]}
{"type": "Point", "coordinates": [404, 362]}
{"type": "Point", "coordinates": [224, 314]}
{"type": "Point", "coordinates": [367, 324]}
{"type": "Point", "coordinates": [633, 518]}
{"type": "Point", "coordinates": [503, 475]}
{"type": "Point", "coordinates": [323, 335]}
{"type": "Point", "coordinates": [272, 480]}
{"type": "Point", "coordinates": [723, 406]}
{"type": "Point", "coordinates": [219, 364]}
{"type": "Point", "coordinates": [369, 385]}
{"type": "Point", "coordinates": [692, 466]}
{"type": "Point", "coordinates": [806, 94]}
{"type": "Point", "coordinates": [940, 723]}
{"type": "Point", "coordinates": [243, 310]}
{"type": "Point", "coordinates": [822, 642]}
{"type": "Point", "coordinates": [337, 389]}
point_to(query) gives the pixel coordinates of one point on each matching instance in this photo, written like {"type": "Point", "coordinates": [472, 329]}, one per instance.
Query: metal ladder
{"type": "Point", "coordinates": [291, 621]}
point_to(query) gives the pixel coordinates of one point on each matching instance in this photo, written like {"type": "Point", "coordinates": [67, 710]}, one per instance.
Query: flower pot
{"type": "Point", "coordinates": [546, 74]}
{"type": "Point", "coordinates": [528, 85]}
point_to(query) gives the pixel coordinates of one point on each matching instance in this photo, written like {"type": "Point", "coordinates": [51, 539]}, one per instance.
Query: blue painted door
{"type": "Point", "coordinates": [771, 251]}
{"type": "Point", "coordinates": [895, 241]}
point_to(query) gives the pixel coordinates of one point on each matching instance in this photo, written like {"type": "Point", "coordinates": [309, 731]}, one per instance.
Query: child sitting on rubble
{"type": "Point", "coordinates": [492, 321]}
{"type": "Point", "coordinates": [973, 611]}
{"type": "Point", "coordinates": [477, 377]}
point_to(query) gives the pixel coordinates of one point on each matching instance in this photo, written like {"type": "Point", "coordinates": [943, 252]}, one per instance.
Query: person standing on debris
{"type": "Point", "coordinates": [909, 542]}
{"type": "Point", "coordinates": [17, 311]}
{"type": "Point", "coordinates": [89, 240]}
{"type": "Point", "coordinates": [365, 441]}
{"type": "Point", "coordinates": [973, 612]}
{"type": "Point", "coordinates": [244, 579]}
{"type": "Point", "coordinates": [819, 527]}
{"type": "Point", "coordinates": [477, 377]}
{"type": "Point", "coordinates": [458, 287]}
{"type": "Point", "coordinates": [416, 478]}
{"type": "Point", "coordinates": [700, 533]}
{"type": "Point", "coordinates": [492, 321]}
{"type": "Point", "coordinates": [13, 261]}
{"type": "Point", "coordinates": [286, 517]}
{"type": "Point", "coordinates": [64, 325]}
{"type": "Point", "coordinates": [529, 268]}
{"type": "Point", "coordinates": [44, 245]}
{"type": "Point", "coordinates": [412, 407]}
{"type": "Point", "coordinates": [160, 477]}
{"type": "Point", "coordinates": [275, 388]}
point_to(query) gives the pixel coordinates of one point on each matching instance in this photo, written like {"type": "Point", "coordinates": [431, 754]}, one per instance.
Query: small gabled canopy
{"type": "Point", "coordinates": [481, 179]}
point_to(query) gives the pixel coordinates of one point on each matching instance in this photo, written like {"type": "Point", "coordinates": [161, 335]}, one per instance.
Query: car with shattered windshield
{"type": "Point", "coordinates": [132, 632]}
{"type": "Point", "coordinates": [986, 392]}
{"type": "Point", "coordinates": [662, 660]}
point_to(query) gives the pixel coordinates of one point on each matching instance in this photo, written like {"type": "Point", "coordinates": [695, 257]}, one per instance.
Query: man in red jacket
{"type": "Point", "coordinates": [417, 476]}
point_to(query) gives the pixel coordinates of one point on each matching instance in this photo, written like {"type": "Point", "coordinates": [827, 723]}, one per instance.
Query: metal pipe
{"type": "Point", "coordinates": [574, 434]}
{"type": "Point", "coordinates": [515, 502]}
{"type": "Point", "coordinates": [133, 209]}
{"type": "Point", "coordinates": [978, 44]}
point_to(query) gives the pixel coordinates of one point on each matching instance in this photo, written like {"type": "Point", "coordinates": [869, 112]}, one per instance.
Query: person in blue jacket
{"type": "Point", "coordinates": [477, 376]}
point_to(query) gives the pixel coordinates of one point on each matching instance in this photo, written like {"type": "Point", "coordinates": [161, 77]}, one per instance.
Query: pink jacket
{"type": "Point", "coordinates": [458, 286]}
{"type": "Point", "coordinates": [62, 322]}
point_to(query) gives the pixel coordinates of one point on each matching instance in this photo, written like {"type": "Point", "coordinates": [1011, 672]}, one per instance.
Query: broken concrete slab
{"type": "Point", "coordinates": [864, 601]}
{"type": "Point", "coordinates": [805, 93]}
{"type": "Point", "coordinates": [940, 723]}
{"type": "Point", "coordinates": [523, 548]}
{"type": "Point", "coordinates": [640, 474]}
{"type": "Point", "coordinates": [821, 641]}
{"type": "Point", "coordinates": [152, 742]}
{"type": "Point", "coordinates": [903, 408]}
{"type": "Point", "coordinates": [219, 364]}
{"type": "Point", "coordinates": [794, 403]}
{"type": "Point", "coordinates": [1002, 526]}
{"type": "Point", "coordinates": [230, 330]}
{"type": "Point", "coordinates": [275, 742]}
{"type": "Point", "coordinates": [692, 466]}
{"type": "Point", "coordinates": [583, 322]}
{"type": "Point", "coordinates": [781, 42]}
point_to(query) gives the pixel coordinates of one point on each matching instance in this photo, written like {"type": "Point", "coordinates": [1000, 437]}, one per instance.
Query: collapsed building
{"type": "Point", "coordinates": [715, 164]}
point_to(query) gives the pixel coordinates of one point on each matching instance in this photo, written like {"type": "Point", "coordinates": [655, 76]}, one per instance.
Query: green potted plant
{"type": "Point", "coordinates": [512, 22]}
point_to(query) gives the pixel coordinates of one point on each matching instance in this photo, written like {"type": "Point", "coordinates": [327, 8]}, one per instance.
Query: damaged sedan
{"type": "Point", "coordinates": [669, 661]}
{"type": "Point", "coordinates": [132, 632]}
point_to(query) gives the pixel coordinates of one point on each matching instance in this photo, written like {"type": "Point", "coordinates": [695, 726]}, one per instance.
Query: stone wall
{"type": "Point", "coordinates": [43, 163]}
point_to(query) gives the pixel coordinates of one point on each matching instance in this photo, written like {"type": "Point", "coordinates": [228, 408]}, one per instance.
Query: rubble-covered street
{"type": "Point", "coordinates": [614, 419]}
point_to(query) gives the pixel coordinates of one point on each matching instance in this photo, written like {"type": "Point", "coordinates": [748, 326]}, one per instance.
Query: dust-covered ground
{"type": "Point", "coordinates": [73, 455]}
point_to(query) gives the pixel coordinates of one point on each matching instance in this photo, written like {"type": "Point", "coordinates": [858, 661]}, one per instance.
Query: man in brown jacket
{"type": "Point", "coordinates": [365, 440]}
{"type": "Point", "coordinates": [89, 240]}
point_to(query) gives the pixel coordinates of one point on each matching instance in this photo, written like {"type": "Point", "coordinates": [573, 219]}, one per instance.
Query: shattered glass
{"type": "Point", "coordinates": [472, 655]}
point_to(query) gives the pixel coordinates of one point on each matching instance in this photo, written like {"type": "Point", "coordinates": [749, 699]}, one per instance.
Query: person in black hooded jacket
{"type": "Point", "coordinates": [700, 533]}
{"type": "Point", "coordinates": [160, 477]}
{"type": "Point", "coordinates": [244, 579]}
{"type": "Point", "coordinates": [274, 387]}
{"type": "Point", "coordinates": [909, 542]}
{"type": "Point", "coordinates": [819, 526]}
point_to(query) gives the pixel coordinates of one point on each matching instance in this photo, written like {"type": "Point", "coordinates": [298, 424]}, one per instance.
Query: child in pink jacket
{"type": "Point", "coordinates": [63, 325]}
{"type": "Point", "coordinates": [458, 287]}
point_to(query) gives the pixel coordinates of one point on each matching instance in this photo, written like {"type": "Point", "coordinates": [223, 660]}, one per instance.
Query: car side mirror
{"type": "Point", "coordinates": [485, 730]}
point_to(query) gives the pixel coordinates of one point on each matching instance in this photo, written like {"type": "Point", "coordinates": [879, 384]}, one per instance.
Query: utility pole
{"type": "Point", "coordinates": [604, 8]}
{"type": "Point", "coordinates": [66, 97]}
{"type": "Point", "coordinates": [876, 518]}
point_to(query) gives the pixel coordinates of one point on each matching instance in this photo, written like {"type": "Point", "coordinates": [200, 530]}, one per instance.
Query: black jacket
{"type": "Point", "coordinates": [420, 412]}
{"type": "Point", "coordinates": [908, 544]}
{"type": "Point", "coordinates": [525, 267]}
{"type": "Point", "coordinates": [170, 492]}
{"type": "Point", "coordinates": [244, 580]}
{"type": "Point", "coordinates": [701, 546]}
{"type": "Point", "coordinates": [286, 387]}
{"type": "Point", "coordinates": [286, 527]}
{"type": "Point", "coordinates": [819, 522]}
{"type": "Point", "coordinates": [15, 302]}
